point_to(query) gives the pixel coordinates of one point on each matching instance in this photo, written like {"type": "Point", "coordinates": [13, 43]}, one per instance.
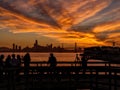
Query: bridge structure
{"type": "Point", "coordinates": [66, 75]}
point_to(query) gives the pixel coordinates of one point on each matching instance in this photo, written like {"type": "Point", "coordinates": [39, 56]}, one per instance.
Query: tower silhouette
{"type": "Point", "coordinates": [75, 48]}
{"type": "Point", "coordinates": [36, 43]}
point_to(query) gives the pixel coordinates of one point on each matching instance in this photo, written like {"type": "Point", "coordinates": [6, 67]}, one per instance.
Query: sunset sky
{"type": "Point", "coordinates": [87, 22]}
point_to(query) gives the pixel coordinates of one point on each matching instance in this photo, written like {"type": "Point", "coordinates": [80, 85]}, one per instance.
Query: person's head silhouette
{"type": "Point", "coordinates": [13, 55]}
{"type": "Point", "coordinates": [2, 56]}
{"type": "Point", "coordinates": [51, 54]}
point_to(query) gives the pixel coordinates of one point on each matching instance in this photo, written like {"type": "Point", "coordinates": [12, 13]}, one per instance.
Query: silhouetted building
{"type": "Point", "coordinates": [38, 48]}
{"type": "Point", "coordinates": [16, 47]}
{"type": "Point", "coordinates": [19, 48]}
{"type": "Point", "coordinates": [13, 46]}
{"type": "Point", "coordinates": [26, 49]}
{"type": "Point", "coordinates": [4, 49]}
{"type": "Point", "coordinates": [36, 43]}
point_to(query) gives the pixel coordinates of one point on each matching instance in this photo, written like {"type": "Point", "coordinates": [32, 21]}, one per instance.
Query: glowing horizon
{"type": "Point", "coordinates": [86, 22]}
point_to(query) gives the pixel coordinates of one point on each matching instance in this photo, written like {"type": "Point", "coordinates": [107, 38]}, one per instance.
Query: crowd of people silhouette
{"type": "Point", "coordinates": [14, 61]}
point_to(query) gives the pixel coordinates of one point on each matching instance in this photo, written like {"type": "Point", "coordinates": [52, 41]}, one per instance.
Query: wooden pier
{"type": "Point", "coordinates": [67, 75]}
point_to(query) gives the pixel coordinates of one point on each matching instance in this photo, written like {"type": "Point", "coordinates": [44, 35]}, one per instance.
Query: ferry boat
{"type": "Point", "coordinates": [106, 53]}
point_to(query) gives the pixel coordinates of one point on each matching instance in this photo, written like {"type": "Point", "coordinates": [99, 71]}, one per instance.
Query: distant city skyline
{"type": "Point", "coordinates": [65, 45]}
{"type": "Point", "coordinates": [37, 43]}
{"type": "Point", "coordinates": [39, 48]}
{"type": "Point", "coordinates": [85, 22]}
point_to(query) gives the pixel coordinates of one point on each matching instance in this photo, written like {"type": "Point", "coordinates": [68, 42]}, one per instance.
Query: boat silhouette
{"type": "Point", "coordinates": [106, 53]}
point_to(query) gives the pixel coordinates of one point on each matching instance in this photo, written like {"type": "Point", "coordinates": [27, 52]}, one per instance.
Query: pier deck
{"type": "Point", "coordinates": [99, 75]}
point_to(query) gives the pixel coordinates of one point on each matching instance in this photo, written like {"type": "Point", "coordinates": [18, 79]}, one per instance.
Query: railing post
{"type": "Point", "coordinates": [110, 79]}
{"type": "Point", "coordinates": [96, 80]}
{"type": "Point", "coordinates": [26, 76]}
{"type": "Point", "coordinates": [91, 79]}
{"type": "Point", "coordinates": [115, 80]}
{"type": "Point", "coordinates": [9, 80]}
{"type": "Point", "coordinates": [105, 68]}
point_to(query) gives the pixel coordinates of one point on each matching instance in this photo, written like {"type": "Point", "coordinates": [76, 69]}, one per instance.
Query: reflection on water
{"type": "Point", "coordinates": [44, 56]}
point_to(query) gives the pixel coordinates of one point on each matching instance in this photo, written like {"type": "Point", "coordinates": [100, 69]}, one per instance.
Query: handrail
{"type": "Point", "coordinates": [71, 63]}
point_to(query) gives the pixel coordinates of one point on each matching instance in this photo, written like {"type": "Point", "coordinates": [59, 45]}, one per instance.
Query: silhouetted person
{"type": "Point", "coordinates": [8, 64]}
{"type": "Point", "coordinates": [26, 60]}
{"type": "Point", "coordinates": [19, 65]}
{"type": "Point", "coordinates": [19, 60]}
{"type": "Point", "coordinates": [1, 60]}
{"type": "Point", "coordinates": [84, 63]}
{"type": "Point", "coordinates": [1, 65]}
{"type": "Point", "coordinates": [15, 65]}
{"type": "Point", "coordinates": [53, 62]}
{"type": "Point", "coordinates": [7, 61]}
{"type": "Point", "coordinates": [77, 59]}
{"type": "Point", "coordinates": [14, 61]}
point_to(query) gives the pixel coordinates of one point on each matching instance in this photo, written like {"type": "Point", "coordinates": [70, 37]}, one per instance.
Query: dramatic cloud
{"type": "Point", "coordinates": [91, 22]}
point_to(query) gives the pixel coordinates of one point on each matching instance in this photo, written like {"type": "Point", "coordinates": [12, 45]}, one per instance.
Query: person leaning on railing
{"type": "Point", "coordinates": [26, 60]}
{"type": "Point", "coordinates": [52, 62]}
{"type": "Point", "coordinates": [84, 60]}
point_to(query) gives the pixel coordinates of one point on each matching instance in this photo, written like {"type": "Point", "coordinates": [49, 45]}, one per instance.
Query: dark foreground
{"type": "Point", "coordinates": [71, 77]}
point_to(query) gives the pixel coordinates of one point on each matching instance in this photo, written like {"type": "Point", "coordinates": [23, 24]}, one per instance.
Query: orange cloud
{"type": "Point", "coordinates": [55, 19]}
{"type": "Point", "coordinates": [109, 26]}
